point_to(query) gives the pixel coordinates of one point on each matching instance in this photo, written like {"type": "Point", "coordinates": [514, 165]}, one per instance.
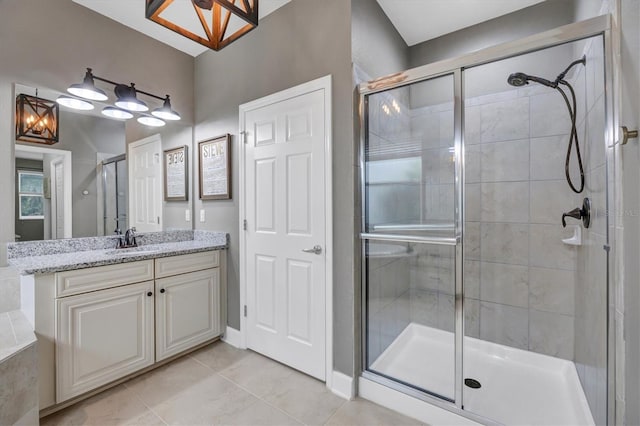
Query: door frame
{"type": "Point", "coordinates": [323, 83]}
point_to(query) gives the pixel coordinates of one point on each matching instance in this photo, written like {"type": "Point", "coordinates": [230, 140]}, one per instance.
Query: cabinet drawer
{"type": "Point", "coordinates": [90, 279]}
{"type": "Point", "coordinates": [174, 265]}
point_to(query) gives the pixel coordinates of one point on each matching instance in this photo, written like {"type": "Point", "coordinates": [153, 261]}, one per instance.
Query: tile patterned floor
{"type": "Point", "coordinates": [220, 384]}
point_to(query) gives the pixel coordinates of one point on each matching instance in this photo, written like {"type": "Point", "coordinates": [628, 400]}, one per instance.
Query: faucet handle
{"type": "Point", "coordinates": [583, 213]}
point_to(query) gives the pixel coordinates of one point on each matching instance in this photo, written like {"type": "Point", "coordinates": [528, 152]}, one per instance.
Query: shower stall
{"type": "Point", "coordinates": [475, 297]}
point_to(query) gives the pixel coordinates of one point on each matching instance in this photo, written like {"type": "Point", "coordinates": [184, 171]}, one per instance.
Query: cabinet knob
{"type": "Point", "coordinates": [150, 294]}
{"type": "Point", "coordinates": [162, 290]}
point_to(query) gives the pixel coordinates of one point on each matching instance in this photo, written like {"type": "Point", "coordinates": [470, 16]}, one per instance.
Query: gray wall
{"type": "Point", "coordinates": [33, 229]}
{"type": "Point", "coordinates": [56, 57]}
{"type": "Point", "coordinates": [376, 46]}
{"type": "Point", "coordinates": [522, 23]}
{"type": "Point", "coordinates": [303, 40]}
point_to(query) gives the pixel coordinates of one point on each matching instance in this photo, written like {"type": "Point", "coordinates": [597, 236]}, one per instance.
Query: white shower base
{"type": "Point", "coordinates": [518, 387]}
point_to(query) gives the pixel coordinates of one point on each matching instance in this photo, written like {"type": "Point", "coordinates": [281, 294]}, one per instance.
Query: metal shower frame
{"type": "Point", "coordinates": [598, 26]}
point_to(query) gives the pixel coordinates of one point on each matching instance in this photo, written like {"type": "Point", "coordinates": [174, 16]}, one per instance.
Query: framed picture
{"type": "Point", "coordinates": [214, 168]}
{"type": "Point", "coordinates": [176, 172]}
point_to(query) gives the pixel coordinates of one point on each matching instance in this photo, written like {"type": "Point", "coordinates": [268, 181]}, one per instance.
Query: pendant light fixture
{"type": "Point", "coordinates": [212, 23]}
{"type": "Point", "coordinates": [87, 89]}
{"type": "Point", "coordinates": [149, 120]}
{"type": "Point", "coordinates": [165, 112]}
{"type": "Point", "coordinates": [74, 103]}
{"type": "Point", "coordinates": [128, 100]}
{"type": "Point", "coordinates": [117, 113]}
{"type": "Point", "coordinates": [36, 119]}
{"type": "Point", "coordinates": [126, 103]}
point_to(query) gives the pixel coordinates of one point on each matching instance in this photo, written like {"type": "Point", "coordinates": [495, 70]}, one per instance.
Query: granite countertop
{"type": "Point", "coordinates": [58, 262]}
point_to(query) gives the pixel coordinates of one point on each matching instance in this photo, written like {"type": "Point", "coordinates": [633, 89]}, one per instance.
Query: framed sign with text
{"type": "Point", "coordinates": [176, 172]}
{"type": "Point", "coordinates": [214, 168]}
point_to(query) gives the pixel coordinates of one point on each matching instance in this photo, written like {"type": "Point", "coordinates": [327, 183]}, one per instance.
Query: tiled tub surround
{"type": "Point", "coordinates": [41, 257]}
{"type": "Point", "coordinates": [18, 370]}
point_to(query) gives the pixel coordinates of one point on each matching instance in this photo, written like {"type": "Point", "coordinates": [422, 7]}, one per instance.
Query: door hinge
{"type": "Point", "coordinates": [245, 310]}
{"type": "Point", "coordinates": [158, 220]}
{"type": "Point", "coordinates": [244, 224]}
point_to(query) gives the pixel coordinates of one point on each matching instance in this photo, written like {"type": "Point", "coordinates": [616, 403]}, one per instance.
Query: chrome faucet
{"type": "Point", "coordinates": [130, 238]}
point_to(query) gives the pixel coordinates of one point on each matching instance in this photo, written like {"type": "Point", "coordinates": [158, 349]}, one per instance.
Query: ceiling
{"type": "Point", "coordinates": [415, 20]}
{"type": "Point", "coordinates": [132, 14]}
{"type": "Point", "coordinates": [422, 20]}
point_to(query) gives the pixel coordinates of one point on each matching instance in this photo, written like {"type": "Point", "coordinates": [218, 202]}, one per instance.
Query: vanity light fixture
{"type": "Point", "coordinates": [74, 103]}
{"type": "Point", "coordinates": [117, 113]}
{"type": "Point", "coordinates": [148, 120]}
{"type": "Point", "coordinates": [126, 103]}
{"type": "Point", "coordinates": [87, 89]}
{"type": "Point", "coordinates": [165, 112]}
{"type": "Point", "coordinates": [36, 119]}
{"type": "Point", "coordinates": [212, 23]}
{"type": "Point", "coordinates": [128, 100]}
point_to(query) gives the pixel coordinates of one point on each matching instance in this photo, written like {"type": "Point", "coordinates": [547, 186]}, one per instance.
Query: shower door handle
{"type": "Point", "coordinates": [315, 250]}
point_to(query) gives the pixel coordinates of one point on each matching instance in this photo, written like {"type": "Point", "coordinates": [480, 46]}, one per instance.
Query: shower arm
{"type": "Point", "coordinates": [561, 76]}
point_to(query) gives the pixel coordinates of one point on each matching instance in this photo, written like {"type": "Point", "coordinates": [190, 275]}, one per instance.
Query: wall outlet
{"type": "Point", "coordinates": [202, 215]}
{"type": "Point", "coordinates": [187, 215]}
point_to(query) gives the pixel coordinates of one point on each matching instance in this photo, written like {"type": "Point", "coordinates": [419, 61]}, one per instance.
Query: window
{"type": "Point", "coordinates": [30, 195]}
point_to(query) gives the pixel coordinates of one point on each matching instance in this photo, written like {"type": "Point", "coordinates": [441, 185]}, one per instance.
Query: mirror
{"type": "Point", "coordinates": [79, 187]}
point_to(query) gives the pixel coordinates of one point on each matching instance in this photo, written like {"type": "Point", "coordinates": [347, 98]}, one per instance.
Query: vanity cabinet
{"type": "Point", "coordinates": [103, 336]}
{"type": "Point", "coordinates": [99, 325]}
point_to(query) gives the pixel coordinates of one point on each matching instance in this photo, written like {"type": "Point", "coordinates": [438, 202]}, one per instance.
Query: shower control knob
{"type": "Point", "coordinates": [583, 213]}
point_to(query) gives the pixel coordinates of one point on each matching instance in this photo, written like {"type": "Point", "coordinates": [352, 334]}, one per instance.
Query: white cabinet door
{"type": "Point", "coordinates": [103, 336]}
{"type": "Point", "coordinates": [187, 308]}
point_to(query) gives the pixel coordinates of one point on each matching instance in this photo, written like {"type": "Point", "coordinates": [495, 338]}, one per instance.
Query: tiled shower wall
{"type": "Point", "coordinates": [515, 196]}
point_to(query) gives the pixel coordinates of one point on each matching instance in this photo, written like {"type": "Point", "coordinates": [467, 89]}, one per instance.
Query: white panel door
{"type": "Point", "coordinates": [285, 208]}
{"type": "Point", "coordinates": [145, 184]}
{"type": "Point", "coordinates": [102, 336]}
{"type": "Point", "coordinates": [187, 311]}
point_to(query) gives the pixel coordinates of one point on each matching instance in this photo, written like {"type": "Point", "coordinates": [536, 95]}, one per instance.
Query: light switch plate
{"type": "Point", "coordinates": [187, 215]}
{"type": "Point", "coordinates": [202, 215]}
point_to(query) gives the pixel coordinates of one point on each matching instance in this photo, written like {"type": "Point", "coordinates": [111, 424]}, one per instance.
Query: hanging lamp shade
{"type": "Point", "coordinates": [127, 99]}
{"type": "Point", "coordinates": [212, 23]}
{"type": "Point", "coordinates": [36, 119]}
{"type": "Point", "coordinates": [87, 89]}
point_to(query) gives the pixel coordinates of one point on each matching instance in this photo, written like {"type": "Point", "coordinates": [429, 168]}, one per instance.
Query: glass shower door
{"type": "Point", "coordinates": [409, 237]}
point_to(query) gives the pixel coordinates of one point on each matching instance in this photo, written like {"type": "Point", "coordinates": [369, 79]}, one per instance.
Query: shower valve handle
{"type": "Point", "coordinates": [583, 213]}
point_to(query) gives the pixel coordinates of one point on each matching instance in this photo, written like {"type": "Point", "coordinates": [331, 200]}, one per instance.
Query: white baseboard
{"type": "Point", "coordinates": [232, 337]}
{"type": "Point", "coordinates": [409, 406]}
{"type": "Point", "coordinates": [342, 385]}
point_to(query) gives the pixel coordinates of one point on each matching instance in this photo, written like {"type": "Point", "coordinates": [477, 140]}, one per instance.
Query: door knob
{"type": "Point", "coordinates": [315, 250]}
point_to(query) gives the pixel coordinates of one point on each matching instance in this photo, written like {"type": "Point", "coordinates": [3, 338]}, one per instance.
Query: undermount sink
{"type": "Point", "coordinates": [135, 251]}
